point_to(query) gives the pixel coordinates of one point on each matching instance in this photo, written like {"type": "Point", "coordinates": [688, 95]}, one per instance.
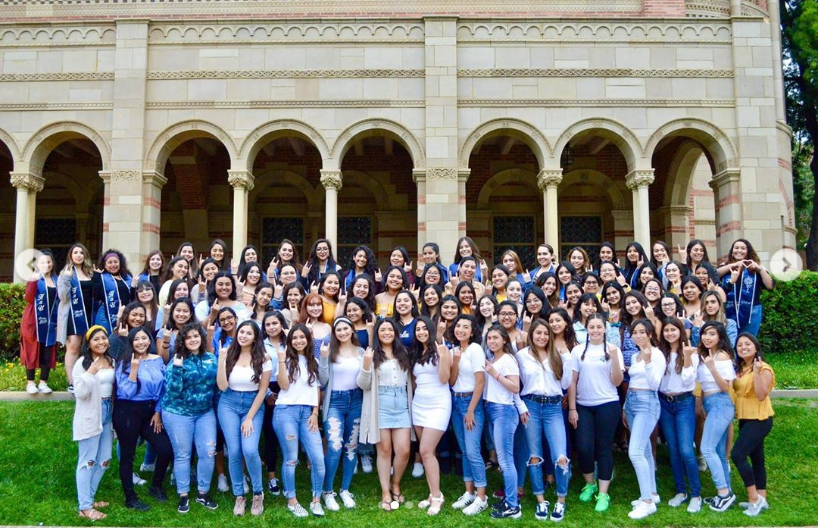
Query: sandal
{"type": "Point", "coordinates": [437, 502]}
{"type": "Point", "coordinates": [92, 515]}
{"type": "Point", "coordinates": [385, 506]}
{"type": "Point", "coordinates": [425, 503]}
{"type": "Point", "coordinates": [100, 504]}
{"type": "Point", "coordinates": [398, 497]}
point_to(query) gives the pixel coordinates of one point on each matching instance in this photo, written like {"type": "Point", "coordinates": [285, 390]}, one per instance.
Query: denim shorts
{"type": "Point", "coordinates": [393, 408]}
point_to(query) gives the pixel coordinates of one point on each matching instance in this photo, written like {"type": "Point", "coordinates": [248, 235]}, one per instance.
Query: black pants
{"type": "Point", "coordinates": [595, 434]}
{"type": "Point", "coordinates": [271, 445]}
{"type": "Point", "coordinates": [131, 420]}
{"type": "Point", "coordinates": [45, 364]}
{"type": "Point", "coordinates": [750, 444]}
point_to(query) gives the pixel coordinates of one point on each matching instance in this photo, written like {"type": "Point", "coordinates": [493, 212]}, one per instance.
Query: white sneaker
{"type": "Point", "coordinates": [642, 510]}
{"type": "Point", "coordinates": [297, 510]}
{"type": "Point", "coordinates": [366, 463]}
{"type": "Point", "coordinates": [246, 483]}
{"type": "Point", "coordinates": [222, 485]}
{"type": "Point", "coordinates": [677, 500]}
{"type": "Point", "coordinates": [695, 505]}
{"type": "Point", "coordinates": [330, 502]}
{"type": "Point", "coordinates": [757, 507]}
{"type": "Point", "coordinates": [316, 509]}
{"type": "Point", "coordinates": [654, 497]}
{"type": "Point", "coordinates": [31, 388]}
{"type": "Point", "coordinates": [347, 499]}
{"type": "Point", "coordinates": [702, 463]}
{"type": "Point", "coordinates": [476, 507]}
{"type": "Point", "coordinates": [138, 481]}
{"type": "Point", "coordinates": [464, 500]}
{"type": "Point", "coordinates": [417, 470]}
{"type": "Point", "coordinates": [150, 468]}
{"type": "Point", "coordinates": [43, 388]}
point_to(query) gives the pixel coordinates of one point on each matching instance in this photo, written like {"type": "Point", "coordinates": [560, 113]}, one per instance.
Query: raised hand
{"type": "Point", "coordinates": [278, 291]}
{"type": "Point", "coordinates": [325, 350]}
{"type": "Point", "coordinates": [177, 360]}
{"type": "Point", "coordinates": [122, 329]}
{"type": "Point", "coordinates": [527, 276]}
{"type": "Point", "coordinates": [407, 267]}
{"type": "Point", "coordinates": [305, 271]}
{"type": "Point", "coordinates": [379, 275]}
{"type": "Point", "coordinates": [314, 287]}
{"type": "Point", "coordinates": [757, 366]}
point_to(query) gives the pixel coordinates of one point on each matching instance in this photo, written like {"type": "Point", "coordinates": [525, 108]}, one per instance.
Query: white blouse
{"type": "Point", "coordinates": [538, 378]}
{"type": "Point", "coordinates": [674, 382]}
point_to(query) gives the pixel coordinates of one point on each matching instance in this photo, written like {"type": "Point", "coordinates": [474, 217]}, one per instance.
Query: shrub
{"type": "Point", "coordinates": [12, 304]}
{"type": "Point", "coordinates": [791, 315]}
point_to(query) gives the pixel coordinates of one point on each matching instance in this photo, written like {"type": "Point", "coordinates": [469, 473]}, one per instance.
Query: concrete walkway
{"type": "Point", "coordinates": [16, 396]}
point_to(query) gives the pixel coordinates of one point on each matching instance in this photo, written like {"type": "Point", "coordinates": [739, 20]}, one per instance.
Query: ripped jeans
{"type": "Point", "coordinates": [94, 459]}
{"type": "Point", "coordinates": [290, 424]}
{"type": "Point", "coordinates": [184, 432]}
{"type": "Point", "coordinates": [546, 419]}
{"type": "Point", "coordinates": [342, 429]}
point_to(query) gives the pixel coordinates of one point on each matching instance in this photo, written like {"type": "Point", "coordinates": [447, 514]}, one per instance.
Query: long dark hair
{"type": "Point", "coordinates": [398, 350]}
{"type": "Point", "coordinates": [123, 262]}
{"type": "Point", "coordinates": [751, 253]}
{"type": "Point", "coordinates": [243, 263]}
{"type": "Point", "coordinates": [631, 267]}
{"type": "Point", "coordinates": [174, 286]}
{"type": "Point", "coordinates": [294, 262]}
{"type": "Point", "coordinates": [695, 242]}
{"type": "Point", "coordinates": [366, 314]}
{"type": "Point", "coordinates": [180, 349]}
{"type": "Point", "coordinates": [422, 354]}
{"type": "Point", "coordinates": [475, 252]}
{"type": "Point", "coordinates": [568, 335]}
{"type": "Point", "coordinates": [626, 318]}
{"type": "Point", "coordinates": [193, 264]}
{"type": "Point", "coordinates": [86, 355]}
{"type": "Point", "coordinates": [125, 361]}
{"type": "Point", "coordinates": [245, 270]}
{"type": "Point", "coordinates": [507, 348]}
{"type": "Point", "coordinates": [554, 358]}
{"type": "Point", "coordinates": [724, 340]}
{"type": "Point", "coordinates": [480, 319]}
{"type": "Point", "coordinates": [414, 311]}
{"type": "Point", "coordinates": [404, 277]}
{"type": "Point", "coordinates": [224, 265]}
{"type": "Point", "coordinates": [585, 297]}
{"type": "Point", "coordinates": [126, 312]}
{"type": "Point", "coordinates": [753, 339]}
{"type": "Point", "coordinates": [334, 344]}
{"type": "Point", "coordinates": [370, 297]}
{"type": "Point", "coordinates": [313, 261]}
{"type": "Point", "coordinates": [424, 308]}
{"type": "Point", "coordinates": [144, 285]}
{"type": "Point", "coordinates": [588, 341]}
{"type": "Point", "coordinates": [664, 246]}
{"type": "Point", "coordinates": [168, 273]}
{"type": "Point", "coordinates": [211, 288]}
{"type": "Point", "coordinates": [278, 315]}
{"type": "Point", "coordinates": [146, 270]}
{"type": "Point", "coordinates": [291, 355]}
{"type": "Point", "coordinates": [664, 346]}
{"type": "Point", "coordinates": [258, 356]}
{"type": "Point", "coordinates": [476, 331]}
{"type": "Point", "coordinates": [371, 266]}
{"type": "Point", "coordinates": [171, 325]}
{"type": "Point", "coordinates": [649, 328]}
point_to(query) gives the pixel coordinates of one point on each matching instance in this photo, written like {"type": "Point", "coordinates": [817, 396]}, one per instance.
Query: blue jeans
{"type": "Point", "coordinates": [94, 459]}
{"type": "Point", "coordinates": [233, 409]}
{"type": "Point", "coordinates": [342, 429]}
{"type": "Point", "coordinates": [754, 325]}
{"type": "Point", "coordinates": [520, 453]}
{"type": "Point", "coordinates": [546, 418]}
{"type": "Point", "coordinates": [678, 422]}
{"type": "Point", "coordinates": [184, 431]}
{"type": "Point", "coordinates": [474, 468]}
{"type": "Point", "coordinates": [505, 419]}
{"type": "Point", "coordinates": [720, 413]}
{"type": "Point", "coordinates": [290, 424]}
{"type": "Point", "coordinates": [642, 412]}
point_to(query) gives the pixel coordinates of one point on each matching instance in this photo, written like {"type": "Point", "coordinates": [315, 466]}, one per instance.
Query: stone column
{"type": "Point", "coordinates": [638, 182]}
{"type": "Point", "coordinates": [727, 190]}
{"type": "Point", "coordinates": [548, 180]}
{"type": "Point", "coordinates": [27, 185]}
{"type": "Point", "coordinates": [332, 180]}
{"type": "Point", "coordinates": [242, 183]}
{"type": "Point", "coordinates": [622, 229]}
{"type": "Point", "coordinates": [419, 177]}
{"type": "Point", "coordinates": [152, 183]}
{"type": "Point", "coordinates": [105, 176]}
{"type": "Point", "coordinates": [462, 178]}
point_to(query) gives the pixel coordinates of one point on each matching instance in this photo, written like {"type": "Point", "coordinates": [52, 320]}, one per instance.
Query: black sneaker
{"type": "Point", "coordinates": [273, 487]}
{"type": "Point", "coordinates": [498, 505]}
{"type": "Point", "coordinates": [507, 512]}
{"type": "Point", "coordinates": [541, 513]}
{"type": "Point", "coordinates": [184, 504]}
{"type": "Point", "coordinates": [136, 504]}
{"type": "Point", "coordinates": [207, 502]}
{"type": "Point", "coordinates": [723, 503]}
{"type": "Point", "coordinates": [70, 388]}
{"type": "Point", "coordinates": [157, 493]}
{"type": "Point", "coordinates": [710, 500]}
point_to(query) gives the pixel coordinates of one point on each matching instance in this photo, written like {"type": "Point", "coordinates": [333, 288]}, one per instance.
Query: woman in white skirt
{"type": "Point", "coordinates": [431, 404]}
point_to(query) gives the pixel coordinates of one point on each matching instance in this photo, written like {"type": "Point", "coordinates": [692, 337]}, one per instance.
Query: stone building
{"type": "Point", "coordinates": [140, 125]}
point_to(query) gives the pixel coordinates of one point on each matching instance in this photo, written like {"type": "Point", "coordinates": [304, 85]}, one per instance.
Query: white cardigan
{"type": "Point", "coordinates": [88, 410]}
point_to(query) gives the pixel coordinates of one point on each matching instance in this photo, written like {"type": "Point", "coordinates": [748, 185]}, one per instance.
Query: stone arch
{"type": "Point", "coordinates": [680, 173]}
{"type": "Point", "coordinates": [374, 127]}
{"type": "Point", "coordinates": [281, 128]}
{"type": "Point", "coordinates": [49, 137]}
{"type": "Point", "coordinates": [517, 128]}
{"type": "Point", "coordinates": [371, 184]}
{"type": "Point", "coordinates": [173, 136]}
{"type": "Point", "coordinates": [502, 177]}
{"type": "Point", "coordinates": [612, 130]}
{"type": "Point", "coordinates": [714, 141]}
{"type": "Point", "coordinates": [261, 183]}
{"type": "Point", "coordinates": [597, 179]}
{"type": "Point", "coordinates": [11, 144]}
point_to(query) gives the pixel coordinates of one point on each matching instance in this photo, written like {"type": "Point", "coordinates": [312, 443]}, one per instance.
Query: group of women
{"type": "Point", "coordinates": [572, 359]}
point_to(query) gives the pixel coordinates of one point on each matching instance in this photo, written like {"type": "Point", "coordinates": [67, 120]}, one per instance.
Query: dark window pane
{"type": "Point", "coordinates": [56, 234]}
{"type": "Point", "coordinates": [352, 231]}
{"type": "Point", "coordinates": [276, 229]}
{"type": "Point", "coordinates": [580, 231]}
{"type": "Point", "coordinates": [516, 233]}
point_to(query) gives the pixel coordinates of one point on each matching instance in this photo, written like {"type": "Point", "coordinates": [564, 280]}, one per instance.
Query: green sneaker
{"type": "Point", "coordinates": [603, 502]}
{"type": "Point", "coordinates": [588, 492]}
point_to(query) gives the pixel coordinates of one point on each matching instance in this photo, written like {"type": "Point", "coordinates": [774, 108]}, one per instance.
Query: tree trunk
{"type": "Point", "coordinates": [812, 242]}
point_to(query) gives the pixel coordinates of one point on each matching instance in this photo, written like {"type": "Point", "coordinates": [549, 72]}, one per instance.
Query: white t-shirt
{"type": "Point", "coordinates": [300, 391]}
{"type": "Point", "coordinates": [345, 372]}
{"type": "Point", "coordinates": [495, 391]}
{"type": "Point", "coordinates": [677, 382]}
{"type": "Point", "coordinates": [241, 378]}
{"type": "Point", "coordinates": [594, 386]}
{"type": "Point", "coordinates": [647, 375]}
{"type": "Point", "coordinates": [724, 367]}
{"type": "Point", "coordinates": [472, 360]}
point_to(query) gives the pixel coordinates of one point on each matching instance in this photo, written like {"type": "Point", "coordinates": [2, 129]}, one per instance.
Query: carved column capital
{"type": "Point", "coordinates": [29, 182]}
{"type": "Point", "coordinates": [241, 179]}
{"type": "Point", "coordinates": [154, 178]}
{"type": "Point", "coordinates": [639, 178]}
{"type": "Point", "coordinates": [549, 178]}
{"type": "Point", "coordinates": [332, 179]}
{"type": "Point", "coordinates": [725, 177]}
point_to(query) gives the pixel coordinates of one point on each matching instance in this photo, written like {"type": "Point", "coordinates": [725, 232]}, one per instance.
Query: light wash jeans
{"type": "Point", "coordinates": [94, 459]}
{"type": "Point", "coordinates": [678, 422]}
{"type": "Point", "coordinates": [720, 413]}
{"type": "Point", "coordinates": [184, 431]}
{"type": "Point", "coordinates": [233, 409]}
{"type": "Point", "coordinates": [505, 419]}
{"type": "Point", "coordinates": [474, 468]}
{"type": "Point", "coordinates": [642, 412]}
{"type": "Point", "coordinates": [290, 424]}
{"type": "Point", "coordinates": [546, 418]}
{"type": "Point", "coordinates": [342, 429]}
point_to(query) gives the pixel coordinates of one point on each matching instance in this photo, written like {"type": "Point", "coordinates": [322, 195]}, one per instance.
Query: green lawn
{"type": "Point", "coordinates": [37, 466]}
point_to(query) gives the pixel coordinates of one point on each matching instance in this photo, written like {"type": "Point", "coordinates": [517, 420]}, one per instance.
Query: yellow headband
{"type": "Point", "coordinates": [94, 328]}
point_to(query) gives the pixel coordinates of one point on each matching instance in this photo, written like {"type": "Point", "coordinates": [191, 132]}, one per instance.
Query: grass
{"type": "Point", "coordinates": [793, 370]}
{"type": "Point", "coordinates": [38, 461]}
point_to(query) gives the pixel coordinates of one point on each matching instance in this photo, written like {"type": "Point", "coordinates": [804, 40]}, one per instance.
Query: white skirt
{"type": "Point", "coordinates": [432, 407]}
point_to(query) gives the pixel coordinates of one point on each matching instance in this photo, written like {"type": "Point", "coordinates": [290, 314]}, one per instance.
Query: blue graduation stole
{"type": "Point", "coordinates": [112, 300]}
{"type": "Point", "coordinates": [744, 293]}
{"type": "Point", "coordinates": [78, 314]}
{"type": "Point", "coordinates": [46, 314]}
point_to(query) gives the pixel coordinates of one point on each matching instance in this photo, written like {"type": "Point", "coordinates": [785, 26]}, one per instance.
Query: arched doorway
{"type": "Point", "coordinates": [8, 200]}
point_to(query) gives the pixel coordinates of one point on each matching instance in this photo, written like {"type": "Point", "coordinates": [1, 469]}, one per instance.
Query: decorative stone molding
{"type": "Point", "coordinates": [56, 36]}
{"type": "Point", "coordinates": [724, 178]}
{"type": "Point", "coordinates": [377, 127]}
{"type": "Point", "coordinates": [526, 132]}
{"type": "Point", "coordinates": [633, 31]}
{"type": "Point", "coordinates": [708, 8]}
{"type": "Point", "coordinates": [65, 76]}
{"type": "Point", "coordinates": [274, 33]}
{"type": "Point", "coordinates": [441, 173]}
{"type": "Point", "coordinates": [126, 175]}
{"type": "Point", "coordinates": [718, 144]}
{"type": "Point", "coordinates": [240, 179]}
{"type": "Point", "coordinates": [154, 178]}
{"type": "Point", "coordinates": [355, 103]}
{"type": "Point", "coordinates": [29, 182]}
{"type": "Point", "coordinates": [419, 176]}
{"type": "Point", "coordinates": [332, 179]}
{"type": "Point", "coordinates": [592, 72]}
{"type": "Point", "coordinates": [463, 174]}
{"type": "Point", "coordinates": [23, 107]}
{"type": "Point", "coordinates": [639, 178]}
{"type": "Point", "coordinates": [549, 178]}
{"type": "Point", "coordinates": [560, 103]}
{"type": "Point", "coordinates": [280, 74]}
